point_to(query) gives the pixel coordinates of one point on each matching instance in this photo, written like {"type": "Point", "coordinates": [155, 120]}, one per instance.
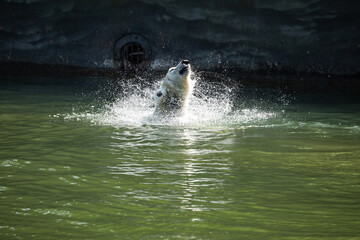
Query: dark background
{"type": "Point", "coordinates": [319, 36]}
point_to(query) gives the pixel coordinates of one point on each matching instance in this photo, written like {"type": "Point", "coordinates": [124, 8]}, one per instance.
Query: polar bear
{"type": "Point", "coordinates": [172, 98]}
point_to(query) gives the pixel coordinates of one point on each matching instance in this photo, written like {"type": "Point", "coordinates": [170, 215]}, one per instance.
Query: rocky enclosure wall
{"type": "Point", "coordinates": [298, 35]}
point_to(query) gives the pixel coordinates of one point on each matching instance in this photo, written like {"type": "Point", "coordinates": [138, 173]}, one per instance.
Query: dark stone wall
{"type": "Point", "coordinates": [297, 35]}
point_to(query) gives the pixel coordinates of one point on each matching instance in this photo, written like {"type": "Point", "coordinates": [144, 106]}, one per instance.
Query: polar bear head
{"type": "Point", "coordinates": [172, 97]}
{"type": "Point", "coordinates": [179, 76]}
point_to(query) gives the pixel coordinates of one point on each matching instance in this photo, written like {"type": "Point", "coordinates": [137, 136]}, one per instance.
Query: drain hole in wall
{"type": "Point", "coordinates": [132, 52]}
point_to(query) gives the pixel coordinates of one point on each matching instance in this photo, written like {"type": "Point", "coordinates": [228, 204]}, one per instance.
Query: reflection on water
{"type": "Point", "coordinates": [200, 173]}
{"type": "Point", "coordinates": [184, 161]}
{"type": "Point", "coordinates": [234, 168]}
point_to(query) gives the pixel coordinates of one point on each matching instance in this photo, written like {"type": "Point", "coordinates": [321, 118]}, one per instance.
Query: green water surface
{"type": "Point", "coordinates": [292, 175]}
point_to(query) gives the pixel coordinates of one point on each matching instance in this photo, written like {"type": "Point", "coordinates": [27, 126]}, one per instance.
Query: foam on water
{"type": "Point", "coordinates": [210, 105]}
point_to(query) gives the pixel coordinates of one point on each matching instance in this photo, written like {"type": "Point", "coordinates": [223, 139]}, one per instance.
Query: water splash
{"type": "Point", "coordinates": [212, 104]}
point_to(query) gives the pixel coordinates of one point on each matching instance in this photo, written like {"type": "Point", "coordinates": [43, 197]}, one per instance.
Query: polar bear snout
{"type": "Point", "coordinates": [183, 70]}
{"type": "Point", "coordinates": [185, 66]}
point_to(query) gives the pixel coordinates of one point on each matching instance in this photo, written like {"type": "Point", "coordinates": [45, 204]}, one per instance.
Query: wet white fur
{"type": "Point", "coordinates": [175, 91]}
